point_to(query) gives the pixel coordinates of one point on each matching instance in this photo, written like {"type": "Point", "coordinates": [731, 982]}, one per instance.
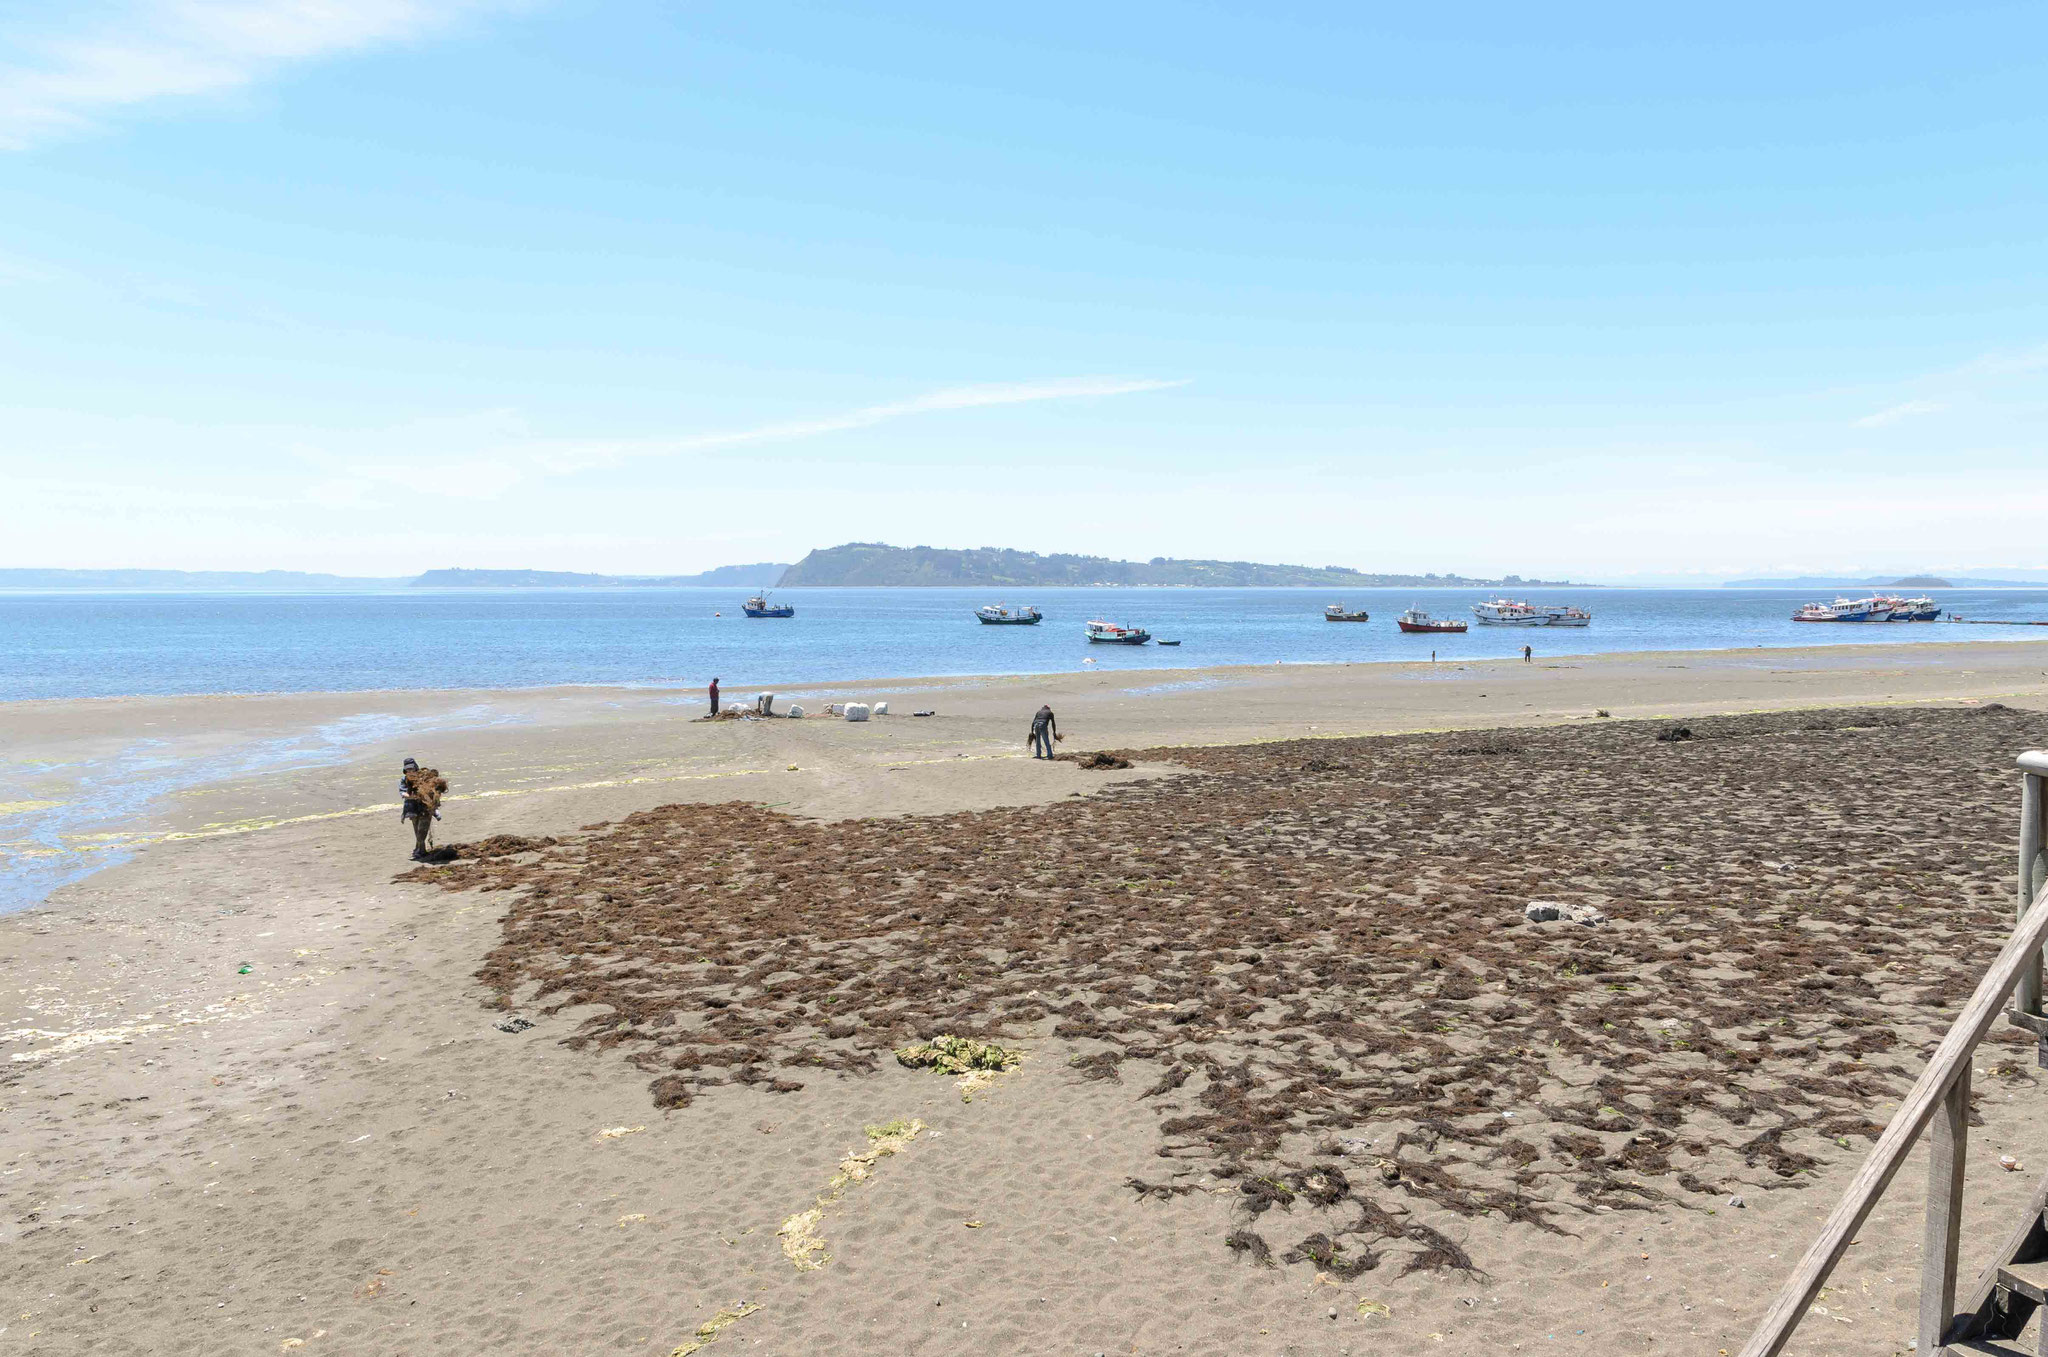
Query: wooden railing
{"type": "Point", "coordinates": [1940, 1098]}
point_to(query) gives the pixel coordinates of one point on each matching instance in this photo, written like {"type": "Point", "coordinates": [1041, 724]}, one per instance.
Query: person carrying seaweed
{"type": "Point", "coordinates": [1042, 723]}
{"type": "Point", "coordinates": [419, 791]}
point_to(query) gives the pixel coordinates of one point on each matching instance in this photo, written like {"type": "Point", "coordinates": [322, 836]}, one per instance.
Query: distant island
{"type": "Point", "coordinates": [1888, 582]}
{"type": "Point", "coordinates": [866, 564]}
{"type": "Point", "coordinates": [875, 564]}
{"type": "Point", "coordinates": [745, 576]}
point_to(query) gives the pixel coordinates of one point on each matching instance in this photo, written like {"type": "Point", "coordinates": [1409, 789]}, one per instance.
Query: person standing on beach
{"type": "Point", "coordinates": [714, 697]}
{"type": "Point", "coordinates": [419, 791]}
{"type": "Point", "coordinates": [1525, 654]}
{"type": "Point", "coordinates": [1044, 724]}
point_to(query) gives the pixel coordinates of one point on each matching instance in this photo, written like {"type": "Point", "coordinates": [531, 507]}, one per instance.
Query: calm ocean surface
{"type": "Point", "coordinates": [106, 645]}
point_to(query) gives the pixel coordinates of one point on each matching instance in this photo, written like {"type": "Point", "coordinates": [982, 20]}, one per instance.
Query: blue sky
{"type": "Point", "coordinates": [1593, 291]}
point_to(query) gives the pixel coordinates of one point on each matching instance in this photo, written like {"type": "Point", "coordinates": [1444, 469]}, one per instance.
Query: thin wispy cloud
{"type": "Point", "coordinates": [86, 63]}
{"type": "Point", "coordinates": [486, 456]}
{"type": "Point", "coordinates": [1903, 410]}
{"type": "Point", "coordinates": [576, 457]}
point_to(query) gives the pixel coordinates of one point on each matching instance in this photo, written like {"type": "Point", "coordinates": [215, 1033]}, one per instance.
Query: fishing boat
{"type": "Point", "coordinates": [1417, 620]}
{"type": "Point", "coordinates": [1566, 615]}
{"type": "Point", "coordinates": [1509, 612]}
{"type": "Point", "coordinates": [1108, 633]}
{"type": "Point", "coordinates": [1860, 610]}
{"type": "Point", "coordinates": [1816, 612]}
{"type": "Point", "coordinates": [759, 606]}
{"type": "Point", "coordinates": [1335, 613]}
{"type": "Point", "coordinates": [1910, 609]}
{"type": "Point", "coordinates": [1002, 615]}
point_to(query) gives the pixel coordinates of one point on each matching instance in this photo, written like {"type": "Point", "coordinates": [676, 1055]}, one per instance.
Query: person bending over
{"type": "Point", "coordinates": [1045, 728]}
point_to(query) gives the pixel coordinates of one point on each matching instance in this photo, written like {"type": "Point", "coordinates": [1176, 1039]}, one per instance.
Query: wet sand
{"type": "Point", "coordinates": [339, 1146]}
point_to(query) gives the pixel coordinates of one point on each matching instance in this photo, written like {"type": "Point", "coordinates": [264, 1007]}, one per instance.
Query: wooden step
{"type": "Point", "coordinates": [2026, 1279]}
{"type": "Point", "coordinates": [2002, 1347]}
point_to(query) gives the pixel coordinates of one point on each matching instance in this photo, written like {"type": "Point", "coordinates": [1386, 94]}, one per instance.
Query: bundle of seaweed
{"type": "Point", "coordinates": [425, 785]}
{"type": "Point", "coordinates": [1336, 955]}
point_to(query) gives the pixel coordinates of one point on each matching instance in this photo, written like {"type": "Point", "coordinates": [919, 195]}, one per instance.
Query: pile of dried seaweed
{"type": "Point", "coordinates": [1317, 953]}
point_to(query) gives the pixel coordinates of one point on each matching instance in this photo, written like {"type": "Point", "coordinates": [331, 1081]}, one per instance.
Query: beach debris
{"type": "Point", "coordinates": [2008, 1163]}
{"type": "Point", "coordinates": [976, 1062]}
{"type": "Point", "coordinates": [972, 1224]}
{"type": "Point", "coordinates": [924, 713]}
{"type": "Point", "coordinates": [1602, 711]}
{"type": "Point", "coordinates": [633, 1219]}
{"type": "Point", "coordinates": [515, 1024]}
{"type": "Point", "coordinates": [1375, 1309]}
{"type": "Point", "coordinates": [244, 969]}
{"type": "Point", "coordinates": [374, 1287]}
{"type": "Point", "coordinates": [1674, 734]}
{"type": "Point", "coordinates": [1737, 1202]}
{"type": "Point", "coordinates": [796, 713]}
{"type": "Point", "coordinates": [1097, 759]}
{"type": "Point", "coordinates": [618, 1132]}
{"type": "Point", "coordinates": [957, 1055]}
{"type": "Point", "coordinates": [708, 1331]}
{"type": "Point", "coordinates": [1544, 911]}
{"type": "Point", "coordinates": [802, 1243]}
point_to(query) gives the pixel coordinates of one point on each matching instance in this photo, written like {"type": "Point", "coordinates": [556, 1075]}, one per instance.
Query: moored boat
{"type": "Point", "coordinates": [1002, 615]}
{"type": "Point", "coordinates": [1510, 612]}
{"type": "Point", "coordinates": [759, 606]}
{"type": "Point", "coordinates": [1417, 620]}
{"type": "Point", "coordinates": [1567, 615]}
{"type": "Point", "coordinates": [1815, 612]}
{"type": "Point", "coordinates": [1336, 613]}
{"type": "Point", "coordinates": [1108, 633]}
{"type": "Point", "coordinates": [1860, 610]}
{"type": "Point", "coordinates": [1911, 609]}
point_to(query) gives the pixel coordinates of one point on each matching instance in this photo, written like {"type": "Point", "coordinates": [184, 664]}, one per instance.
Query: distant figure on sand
{"type": "Point", "coordinates": [714, 697]}
{"type": "Point", "coordinates": [420, 791]}
{"type": "Point", "coordinates": [1525, 654]}
{"type": "Point", "coordinates": [1042, 725]}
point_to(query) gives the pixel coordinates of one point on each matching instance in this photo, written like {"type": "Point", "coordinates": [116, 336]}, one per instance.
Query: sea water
{"type": "Point", "coordinates": [58, 645]}
{"type": "Point", "coordinates": [75, 645]}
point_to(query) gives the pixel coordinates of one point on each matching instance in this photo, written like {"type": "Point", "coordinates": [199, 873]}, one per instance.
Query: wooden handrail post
{"type": "Point", "coordinates": [2033, 831]}
{"type": "Point", "coordinates": [1947, 1151]}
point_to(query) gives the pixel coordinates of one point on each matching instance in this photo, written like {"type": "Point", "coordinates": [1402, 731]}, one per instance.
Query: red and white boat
{"type": "Point", "coordinates": [1417, 620]}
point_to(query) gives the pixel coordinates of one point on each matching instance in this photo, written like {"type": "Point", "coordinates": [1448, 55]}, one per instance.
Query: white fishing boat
{"type": "Point", "coordinates": [1815, 612]}
{"type": "Point", "coordinates": [1108, 633]}
{"type": "Point", "coordinates": [1860, 610]}
{"type": "Point", "coordinates": [1002, 615]}
{"type": "Point", "coordinates": [1567, 615]}
{"type": "Point", "coordinates": [1509, 612]}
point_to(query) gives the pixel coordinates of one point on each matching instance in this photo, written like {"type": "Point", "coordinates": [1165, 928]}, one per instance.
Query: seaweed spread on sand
{"type": "Point", "coordinates": [1317, 954]}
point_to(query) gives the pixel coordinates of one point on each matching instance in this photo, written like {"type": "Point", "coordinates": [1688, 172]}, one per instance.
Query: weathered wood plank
{"type": "Point", "coordinates": [1947, 1152]}
{"type": "Point", "coordinates": [1953, 1054]}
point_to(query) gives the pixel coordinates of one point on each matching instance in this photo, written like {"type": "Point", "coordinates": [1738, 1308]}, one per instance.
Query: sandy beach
{"type": "Point", "coordinates": [267, 1089]}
